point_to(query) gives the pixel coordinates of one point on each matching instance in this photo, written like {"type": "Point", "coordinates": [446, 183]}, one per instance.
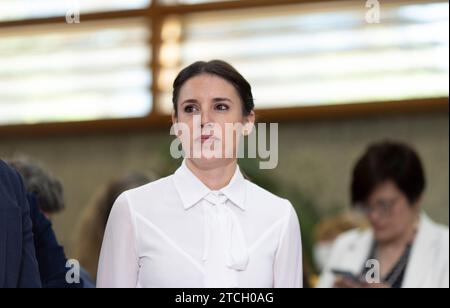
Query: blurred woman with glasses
{"type": "Point", "coordinates": [404, 248]}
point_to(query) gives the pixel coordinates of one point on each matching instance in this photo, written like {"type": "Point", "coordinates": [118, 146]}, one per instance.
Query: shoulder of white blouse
{"type": "Point", "coordinates": [155, 187]}
{"type": "Point", "coordinates": [269, 199]}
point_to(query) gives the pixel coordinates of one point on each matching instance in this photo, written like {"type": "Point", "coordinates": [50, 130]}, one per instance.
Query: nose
{"type": "Point", "coordinates": [374, 217]}
{"type": "Point", "coordinates": [206, 119]}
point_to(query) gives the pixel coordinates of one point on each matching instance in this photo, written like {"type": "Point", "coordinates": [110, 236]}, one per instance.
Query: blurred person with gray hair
{"type": "Point", "coordinates": [45, 196]}
{"type": "Point", "coordinates": [47, 189]}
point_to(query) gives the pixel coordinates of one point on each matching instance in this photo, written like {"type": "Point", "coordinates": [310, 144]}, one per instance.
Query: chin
{"type": "Point", "coordinates": [210, 163]}
{"type": "Point", "coordinates": [383, 236]}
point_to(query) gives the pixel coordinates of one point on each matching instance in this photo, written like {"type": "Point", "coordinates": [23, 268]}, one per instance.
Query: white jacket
{"type": "Point", "coordinates": [428, 265]}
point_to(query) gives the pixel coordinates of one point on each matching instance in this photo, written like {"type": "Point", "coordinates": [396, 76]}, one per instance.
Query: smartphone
{"type": "Point", "coordinates": [346, 275]}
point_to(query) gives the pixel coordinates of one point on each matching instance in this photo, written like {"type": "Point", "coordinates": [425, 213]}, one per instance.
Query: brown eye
{"type": "Point", "coordinates": [222, 107]}
{"type": "Point", "coordinates": [190, 109]}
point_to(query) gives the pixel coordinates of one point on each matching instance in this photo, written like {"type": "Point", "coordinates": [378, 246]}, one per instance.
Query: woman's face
{"type": "Point", "coordinates": [390, 213]}
{"type": "Point", "coordinates": [213, 111]}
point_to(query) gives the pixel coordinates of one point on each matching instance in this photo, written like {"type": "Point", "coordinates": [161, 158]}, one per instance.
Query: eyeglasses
{"type": "Point", "coordinates": [382, 207]}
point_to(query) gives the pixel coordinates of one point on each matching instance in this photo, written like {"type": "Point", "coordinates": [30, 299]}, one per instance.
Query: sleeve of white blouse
{"type": "Point", "coordinates": [288, 272]}
{"type": "Point", "coordinates": [119, 263]}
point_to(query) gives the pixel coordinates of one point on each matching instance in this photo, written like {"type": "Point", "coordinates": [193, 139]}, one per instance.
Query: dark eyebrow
{"type": "Point", "coordinates": [215, 100]}
{"type": "Point", "coordinates": [222, 99]}
{"type": "Point", "coordinates": [190, 101]}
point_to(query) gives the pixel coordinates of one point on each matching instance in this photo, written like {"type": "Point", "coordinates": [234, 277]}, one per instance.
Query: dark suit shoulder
{"type": "Point", "coordinates": [10, 182]}
{"type": "Point", "coordinates": [7, 174]}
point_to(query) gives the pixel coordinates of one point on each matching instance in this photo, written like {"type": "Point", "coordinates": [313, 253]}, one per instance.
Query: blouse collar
{"type": "Point", "coordinates": [192, 190]}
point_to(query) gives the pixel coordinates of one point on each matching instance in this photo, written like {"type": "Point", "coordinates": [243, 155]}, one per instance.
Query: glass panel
{"type": "Point", "coordinates": [86, 72]}
{"type": "Point", "coordinates": [317, 54]}
{"type": "Point", "coordinates": [26, 9]}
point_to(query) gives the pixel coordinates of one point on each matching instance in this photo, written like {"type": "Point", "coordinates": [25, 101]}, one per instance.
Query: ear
{"type": "Point", "coordinates": [175, 124]}
{"type": "Point", "coordinates": [249, 123]}
{"type": "Point", "coordinates": [174, 117]}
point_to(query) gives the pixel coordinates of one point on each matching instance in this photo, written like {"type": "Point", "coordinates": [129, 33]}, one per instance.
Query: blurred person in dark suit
{"type": "Point", "coordinates": [18, 265]}
{"type": "Point", "coordinates": [45, 197]}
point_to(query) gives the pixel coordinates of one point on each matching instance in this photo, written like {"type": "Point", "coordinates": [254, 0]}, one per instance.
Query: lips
{"type": "Point", "coordinates": [204, 138]}
{"type": "Point", "coordinates": [379, 228]}
{"type": "Point", "coordinates": [207, 137]}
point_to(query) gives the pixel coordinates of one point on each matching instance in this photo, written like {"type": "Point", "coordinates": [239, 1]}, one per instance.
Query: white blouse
{"type": "Point", "coordinates": [177, 233]}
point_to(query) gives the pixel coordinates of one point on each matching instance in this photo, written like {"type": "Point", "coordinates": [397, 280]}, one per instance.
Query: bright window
{"type": "Point", "coordinates": [26, 9]}
{"type": "Point", "coordinates": [318, 54]}
{"type": "Point", "coordinates": [85, 72]}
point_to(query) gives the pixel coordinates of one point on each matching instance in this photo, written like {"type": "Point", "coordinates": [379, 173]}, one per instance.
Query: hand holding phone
{"type": "Point", "coordinates": [348, 277]}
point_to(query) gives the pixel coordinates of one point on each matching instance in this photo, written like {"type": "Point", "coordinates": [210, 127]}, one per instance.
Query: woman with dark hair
{"type": "Point", "coordinates": [403, 248]}
{"type": "Point", "coordinates": [205, 225]}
